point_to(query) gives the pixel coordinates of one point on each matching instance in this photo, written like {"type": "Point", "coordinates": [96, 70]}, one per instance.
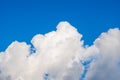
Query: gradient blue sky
{"type": "Point", "coordinates": [22, 19]}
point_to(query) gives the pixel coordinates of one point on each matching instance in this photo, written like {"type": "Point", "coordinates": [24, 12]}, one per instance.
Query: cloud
{"type": "Point", "coordinates": [107, 66]}
{"type": "Point", "coordinates": [61, 55]}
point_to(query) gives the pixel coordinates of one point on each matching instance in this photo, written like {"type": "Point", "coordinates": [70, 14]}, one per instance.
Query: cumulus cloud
{"type": "Point", "coordinates": [107, 67]}
{"type": "Point", "coordinates": [61, 55]}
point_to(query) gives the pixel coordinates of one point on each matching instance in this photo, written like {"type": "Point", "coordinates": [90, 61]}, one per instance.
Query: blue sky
{"type": "Point", "coordinates": [22, 19]}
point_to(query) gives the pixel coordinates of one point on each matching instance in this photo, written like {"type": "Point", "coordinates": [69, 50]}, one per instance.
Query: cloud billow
{"type": "Point", "coordinates": [61, 55]}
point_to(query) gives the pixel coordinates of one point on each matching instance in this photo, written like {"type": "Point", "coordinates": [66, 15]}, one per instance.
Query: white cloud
{"type": "Point", "coordinates": [107, 67]}
{"type": "Point", "coordinates": [60, 55]}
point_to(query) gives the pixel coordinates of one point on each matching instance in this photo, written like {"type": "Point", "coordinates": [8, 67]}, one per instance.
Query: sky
{"type": "Point", "coordinates": [22, 19]}
{"type": "Point", "coordinates": [59, 40]}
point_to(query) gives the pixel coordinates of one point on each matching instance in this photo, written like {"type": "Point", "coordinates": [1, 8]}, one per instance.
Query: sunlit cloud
{"type": "Point", "coordinates": [62, 55]}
